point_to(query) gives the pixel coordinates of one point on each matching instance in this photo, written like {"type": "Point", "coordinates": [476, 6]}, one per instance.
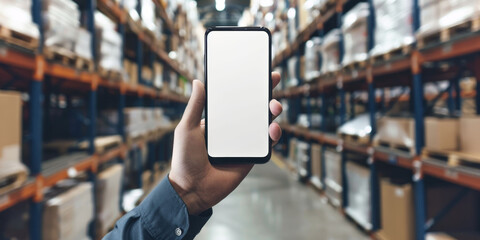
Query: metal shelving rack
{"type": "Point", "coordinates": [407, 70]}
{"type": "Point", "coordinates": [34, 65]}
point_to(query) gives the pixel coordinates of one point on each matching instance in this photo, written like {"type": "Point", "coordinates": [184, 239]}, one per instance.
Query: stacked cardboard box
{"type": "Point", "coordinates": [131, 72]}
{"type": "Point", "coordinates": [354, 30]}
{"type": "Point", "coordinates": [108, 190]}
{"type": "Point", "coordinates": [68, 212]}
{"type": "Point", "coordinates": [11, 166]}
{"type": "Point", "coordinates": [302, 157]}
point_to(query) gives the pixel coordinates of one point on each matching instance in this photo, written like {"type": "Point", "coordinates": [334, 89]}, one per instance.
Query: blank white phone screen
{"type": "Point", "coordinates": [238, 93]}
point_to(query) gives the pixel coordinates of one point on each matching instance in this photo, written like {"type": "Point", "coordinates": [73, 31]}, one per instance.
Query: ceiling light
{"type": "Point", "coordinates": [220, 5]}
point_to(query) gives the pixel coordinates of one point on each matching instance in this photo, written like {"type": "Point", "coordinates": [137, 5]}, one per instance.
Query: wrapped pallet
{"type": "Point", "coordinates": [354, 31]}
{"type": "Point", "coordinates": [12, 172]}
{"type": "Point", "coordinates": [68, 212]}
{"type": "Point", "coordinates": [313, 51]}
{"type": "Point", "coordinates": [17, 16]}
{"type": "Point", "coordinates": [396, 211]}
{"type": "Point", "coordinates": [109, 43]}
{"type": "Point", "coordinates": [292, 24]}
{"type": "Point", "coordinates": [359, 194]}
{"type": "Point", "coordinates": [61, 23]}
{"type": "Point", "coordinates": [293, 65]}
{"type": "Point", "coordinates": [359, 127]}
{"type": "Point", "coordinates": [108, 190]}
{"type": "Point", "coordinates": [333, 176]}
{"type": "Point", "coordinates": [302, 157]}
{"type": "Point", "coordinates": [331, 51]}
{"type": "Point", "coordinates": [393, 25]}
{"type": "Point", "coordinates": [436, 15]}
{"type": "Point", "coordinates": [396, 132]}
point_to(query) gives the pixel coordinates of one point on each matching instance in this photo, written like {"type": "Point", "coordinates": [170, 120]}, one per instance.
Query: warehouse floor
{"type": "Point", "coordinates": [271, 204]}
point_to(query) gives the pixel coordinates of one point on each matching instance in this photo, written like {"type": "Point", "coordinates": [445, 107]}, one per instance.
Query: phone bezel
{"type": "Point", "coordinates": [238, 160]}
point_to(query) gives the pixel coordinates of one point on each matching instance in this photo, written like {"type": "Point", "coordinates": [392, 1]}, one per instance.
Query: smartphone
{"type": "Point", "coordinates": [238, 92]}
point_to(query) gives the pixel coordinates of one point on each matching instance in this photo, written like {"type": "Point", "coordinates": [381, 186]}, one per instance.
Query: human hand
{"type": "Point", "coordinates": [200, 184]}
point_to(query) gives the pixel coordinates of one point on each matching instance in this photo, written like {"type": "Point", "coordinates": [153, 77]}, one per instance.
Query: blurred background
{"type": "Point", "coordinates": [380, 126]}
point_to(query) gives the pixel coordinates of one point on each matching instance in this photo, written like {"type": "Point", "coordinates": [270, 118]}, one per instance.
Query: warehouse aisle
{"type": "Point", "coordinates": [271, 204]}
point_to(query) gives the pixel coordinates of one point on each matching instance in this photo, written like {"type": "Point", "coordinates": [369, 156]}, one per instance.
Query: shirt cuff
{"type": "Point", "coordinates": [165, 216]}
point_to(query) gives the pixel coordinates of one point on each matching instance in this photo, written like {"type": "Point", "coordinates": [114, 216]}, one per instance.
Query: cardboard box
{"type": "Point", "coordinates": [67, 215]}
{"type": "Point", "coordinates": [469, 134]}
{"type": "Point", "coordinates": [441, 133]}
{"type": "Point", "coordinates": [10, 126]}
{"type": "Point", "coordinates": [316, 160]}
{"type": "Point", "coordinates": [11, 139]}
{"type": "Point", "coordinates": [292, 150]}
{"type": "Point", "coordinates": [396, 131]}
{"type": "Point", "coordinates": [108, 188]}
{"type": "Point", "coordinates": [396, 211]}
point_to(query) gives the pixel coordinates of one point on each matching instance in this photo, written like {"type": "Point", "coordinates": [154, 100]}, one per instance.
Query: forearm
{"type": "Point", "coordinates": [162, 215]}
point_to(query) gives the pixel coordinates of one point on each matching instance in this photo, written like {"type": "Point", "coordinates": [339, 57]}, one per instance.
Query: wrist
{"type": "Point", "coordinates": [192, 201]}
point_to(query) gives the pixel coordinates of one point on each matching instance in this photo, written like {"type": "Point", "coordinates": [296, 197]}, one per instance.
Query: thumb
{"type": "Point", "coordinates": [193, 112]}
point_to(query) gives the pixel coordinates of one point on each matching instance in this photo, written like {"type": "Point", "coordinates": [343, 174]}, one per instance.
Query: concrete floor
{"type": "Point", "coordinates": [271, 204]}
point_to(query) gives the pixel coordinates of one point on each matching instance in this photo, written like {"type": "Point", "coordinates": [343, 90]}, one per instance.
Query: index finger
{"type": "Point", "coordinates": [275, 79]}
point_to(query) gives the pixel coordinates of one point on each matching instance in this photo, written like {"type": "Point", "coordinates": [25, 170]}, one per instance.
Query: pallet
{"type": "Point", "coordinates": [60, 55]}
{"type": "Point", "coordinates": [110, 74]}
{"type": "Point", "coordinates": [365, 140]}
{"type": "Point", "coordinates": [394, 53]}
{"type": "Point", "coordinates": [355, 65]}
{"type": "Point", "coordinates": [17, 38]}
{"type": "Point", "coordinates": [103, 144]}
{"type": "Point", "coordinates": [396, 146]}
{"type": "Point", "coordinates": [445, 35]}
{"type": "Point", "coordinates": [12, 181]}
{"type": "Point", "coordinates": [84, 64]}
{"type": "Point", "coordinates": [453, 158]}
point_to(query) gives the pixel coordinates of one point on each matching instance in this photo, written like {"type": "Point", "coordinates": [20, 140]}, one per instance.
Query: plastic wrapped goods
{"type": "Point", "coordinates": [436, 15]}
{"type": "Point", "coordinates": [313, 50]}
{"type": "Point", "coordinates": [17, 15]}
{"type": "Point", "coordinates": [354, 30]}
{"type": "Point", "coordinates": [359, 194]}
{"type": "Point", "coordinates": [61, 21]}
{"type": "Point", "coordinates": [108, 190]}
{"type": "Point", "coordinates": [292, 64]}
{"type": "Point", "coordinates": [331, 51]}
{"type": "Point", "coordinates": [83, 44]}
{"type": "Point", "coordinates": [148, 15]}
{"type": "Point", "coordinates": [393, 25]}
{"type": "Point", "coordinates": [360, 126]}
{"type": "Point", "coordinates": [333, 176]}
{"type": "Point", "coordinates": [68, 212]}
{"type": "Point", "coordinates": [109, 43]}
{"type": "Point", "coordinates": [396, 131]}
